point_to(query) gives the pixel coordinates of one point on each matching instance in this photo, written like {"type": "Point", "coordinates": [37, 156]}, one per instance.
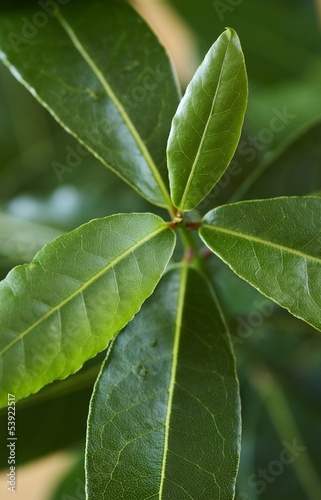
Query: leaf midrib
{"type": "Point", "coordinates": [109, 91]}
{"type": "Point", "coordinates": [268, 243]}
{"type": "Point", "coordinates": [195, 163]}
{"type": "Point", "coordinates": [83, 287]}
{"type": "Point", "coordinates": [177, 336]}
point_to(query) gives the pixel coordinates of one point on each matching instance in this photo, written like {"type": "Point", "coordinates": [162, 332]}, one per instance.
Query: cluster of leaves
{"type": "Point", "coordinates": [165, 417]}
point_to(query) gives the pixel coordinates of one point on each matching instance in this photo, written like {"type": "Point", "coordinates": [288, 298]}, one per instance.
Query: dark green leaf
{"type": "Point", "coordinates": [165, 416]}
{"type": "Point", "coordinates": [276, 246]}
{"type": "Point", "coordinates": [104, 76]}
{"type": "Point", "coordinates": [207, 126]}
{"type": "Point", "coordinates": [65, 306]}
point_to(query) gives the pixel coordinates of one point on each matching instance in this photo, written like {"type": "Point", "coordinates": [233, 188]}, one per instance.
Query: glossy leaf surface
{"type": "Point", "coordinates": [89, 66]}
{"type": "Point", "coordinates": [165, 416]}
{"type": "Point", "coordinates": [65, 306]}
{"type": "Point", "coordinates": [207, 125]}
{"type": "Point", "coordinates": [276, 246]}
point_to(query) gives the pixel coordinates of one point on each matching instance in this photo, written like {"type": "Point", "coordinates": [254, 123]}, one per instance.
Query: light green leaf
{"type": "Point", "coordinates": [207, 126]}
{"type": "Point", "coordinates": [65, 306]}
{"type": "Point", "coordinates": [276, 246]}
{"type": "Point", "coordinates": [105, 77]}
{"type": "Point", "coordinates": [165, 416]}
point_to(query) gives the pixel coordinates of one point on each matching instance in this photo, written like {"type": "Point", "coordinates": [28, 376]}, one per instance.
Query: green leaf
{"type": "Point", "coordinates": [207, 126]}
{"type": "Point", "coordinates": [65, 306]}
{"type": "Point", "coordinates": [165, 416]}
{"type": "Point", "coordinates": [276, 246]}
{"type": "Point", "coordinates": [105, 77]}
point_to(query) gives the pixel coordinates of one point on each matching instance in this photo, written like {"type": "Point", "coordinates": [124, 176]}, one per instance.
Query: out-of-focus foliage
{"type": "Point", "coordinates": [282, 45]}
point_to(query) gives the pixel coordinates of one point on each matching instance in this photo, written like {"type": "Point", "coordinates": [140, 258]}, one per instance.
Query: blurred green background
{"type": "Point", "coordinates": [279, 357]}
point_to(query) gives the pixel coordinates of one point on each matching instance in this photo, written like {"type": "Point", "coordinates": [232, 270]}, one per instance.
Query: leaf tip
{"type": "Point", "coordinates": [231, 33]}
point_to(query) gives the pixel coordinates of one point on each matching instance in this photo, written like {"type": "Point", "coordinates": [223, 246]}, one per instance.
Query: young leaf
{"type": "Point", "coordinates": [105, 77]}
{"type": "Point", "coordinates": [207, 126]}
{"type": "Point", "coordinates": [276, 246]}
{"type": "Point", "coordinates": [65, 306]}
{"type": "Point", "coordinates": [165, 417]}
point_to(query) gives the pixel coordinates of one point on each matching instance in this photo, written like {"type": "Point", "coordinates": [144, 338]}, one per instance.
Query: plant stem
{"type": "Point", "coordinates": [191, 250]}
